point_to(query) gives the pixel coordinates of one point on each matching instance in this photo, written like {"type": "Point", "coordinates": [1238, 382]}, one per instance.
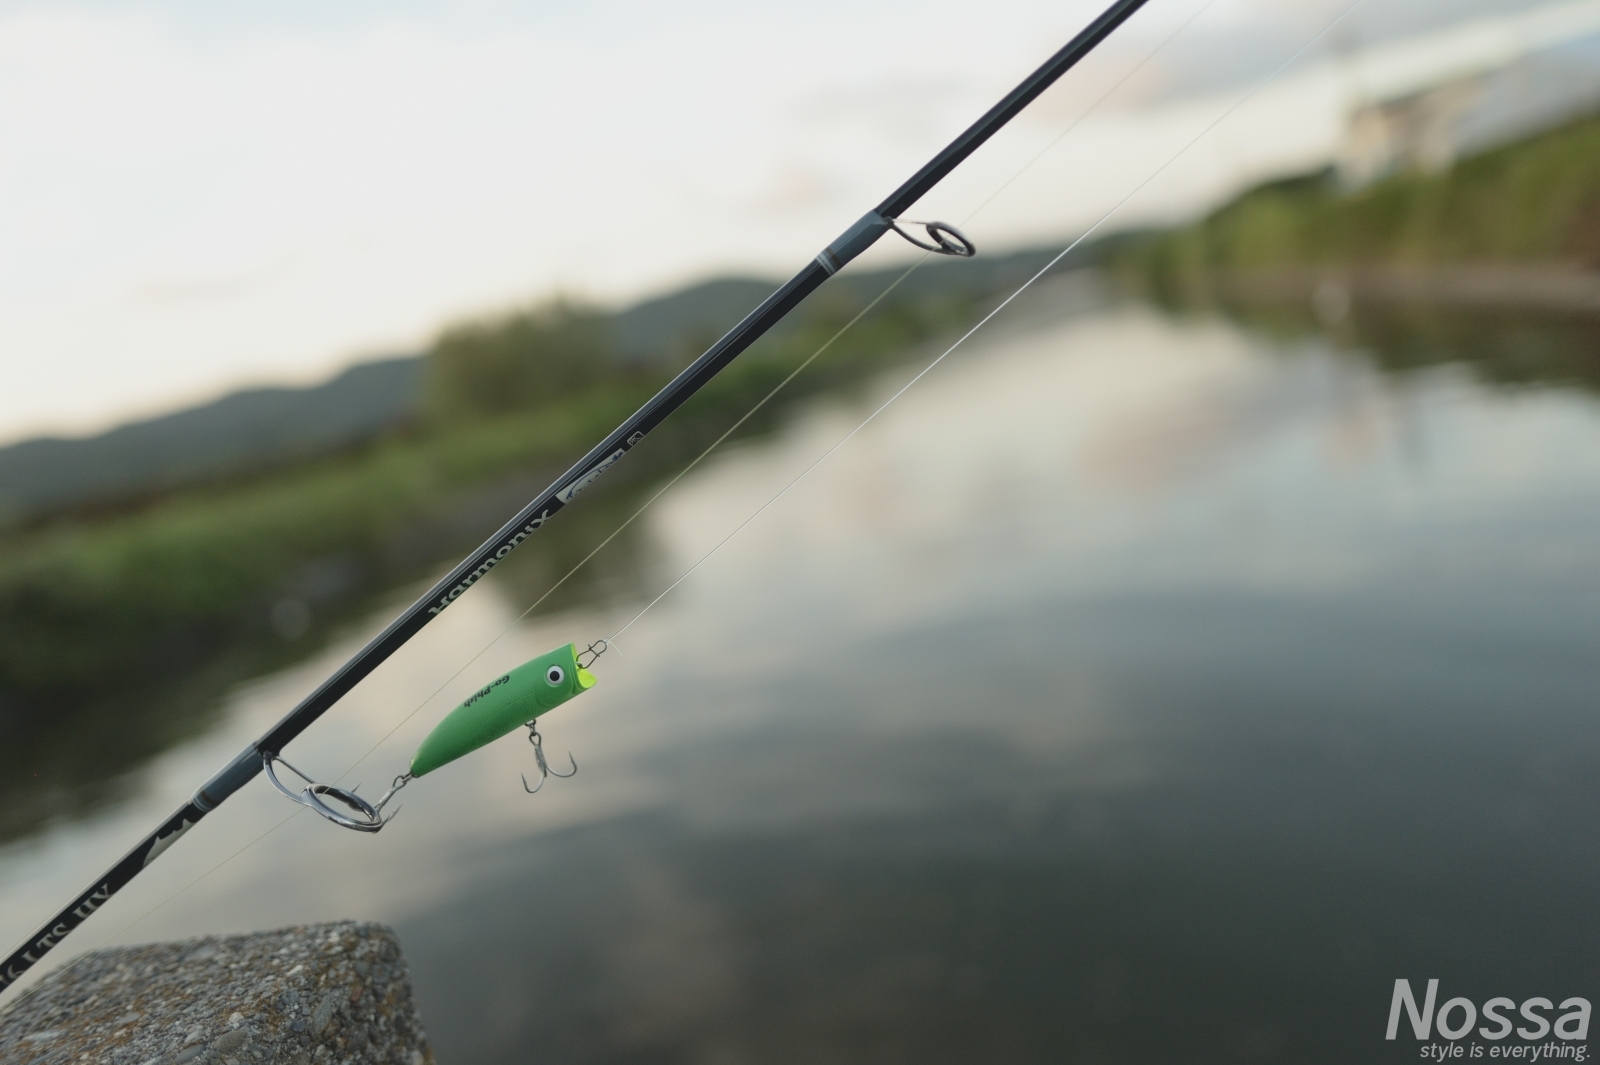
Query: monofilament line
{"type": "Point", "coordinates": [1091, 109]}
{"type": "Point", "coordinates": [780, 386]}
{"type": "Point", "coordinates": [986, 319]}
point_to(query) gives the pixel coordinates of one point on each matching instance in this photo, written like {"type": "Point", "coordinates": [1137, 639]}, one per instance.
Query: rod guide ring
{"type": "Point", "coordinates": [946, 238]}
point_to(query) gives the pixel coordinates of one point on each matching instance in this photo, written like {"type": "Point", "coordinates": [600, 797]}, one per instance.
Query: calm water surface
{"type": "Point", "coordinates": [1134, 690]}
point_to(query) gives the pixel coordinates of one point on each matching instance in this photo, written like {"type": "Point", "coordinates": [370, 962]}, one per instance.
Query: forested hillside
{"type": "Point", "coordinates": [1536, 201]}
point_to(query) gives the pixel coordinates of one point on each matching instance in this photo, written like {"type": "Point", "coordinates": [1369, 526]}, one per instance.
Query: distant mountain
{"type": "Point", "coordinates": [688, 321]}
{"type": "Point", "coordinates": [656, 328]}
{"type": "Point", "coordinates": [264, 427]}
{"type": "Point", "coordinates": [238, 433]}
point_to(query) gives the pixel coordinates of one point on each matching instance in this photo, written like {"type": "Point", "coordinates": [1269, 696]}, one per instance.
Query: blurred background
{"type": "Point", "coordinates": [1205, 644]}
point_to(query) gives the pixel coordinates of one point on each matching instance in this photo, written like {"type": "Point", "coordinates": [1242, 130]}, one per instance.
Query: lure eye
{"type": "Point", "coordinates": [555, 675]}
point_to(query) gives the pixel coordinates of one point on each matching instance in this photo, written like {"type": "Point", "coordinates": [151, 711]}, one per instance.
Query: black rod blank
{"type": "Point", "coordinates": [618, 443]}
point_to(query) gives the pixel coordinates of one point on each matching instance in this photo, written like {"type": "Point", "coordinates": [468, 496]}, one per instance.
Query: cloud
{"type": "Point", "coordinates": [192, 196]}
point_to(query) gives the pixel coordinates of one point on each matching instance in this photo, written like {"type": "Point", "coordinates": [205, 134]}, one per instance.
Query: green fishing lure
{"type": "Point", "coordinates": [504, 705]}
{"type": "Point", "coordinates": [501, 706]}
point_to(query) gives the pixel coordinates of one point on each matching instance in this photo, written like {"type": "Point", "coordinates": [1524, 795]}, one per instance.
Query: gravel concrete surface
{"type": "Point", "coordinates": [311, 995]}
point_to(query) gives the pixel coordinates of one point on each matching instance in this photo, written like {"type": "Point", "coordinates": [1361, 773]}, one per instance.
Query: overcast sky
{"type": "Point", "coordinates": [195, 196]}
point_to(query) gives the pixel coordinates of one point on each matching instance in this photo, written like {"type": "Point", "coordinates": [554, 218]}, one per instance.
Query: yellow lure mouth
{"type": "Point", "coordinates": [585, 679]}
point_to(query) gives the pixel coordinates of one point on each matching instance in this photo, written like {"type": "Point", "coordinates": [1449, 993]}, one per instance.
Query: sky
{"type": "Point", "coordinates": [195, 197]}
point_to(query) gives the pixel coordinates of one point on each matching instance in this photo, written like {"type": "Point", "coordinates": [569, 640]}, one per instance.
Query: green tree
{"type": "Point", "coordinates": [517, 362]}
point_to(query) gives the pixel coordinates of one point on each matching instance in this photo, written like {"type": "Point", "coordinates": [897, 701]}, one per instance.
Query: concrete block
{"type": "Point", "coordinates": [326, 994]}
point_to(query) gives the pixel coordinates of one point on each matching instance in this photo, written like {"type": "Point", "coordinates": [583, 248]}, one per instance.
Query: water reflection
{"type": "Point", "coordinates": [1135, 689]}
{"type": "Point", "coordinates": [1498, 346]}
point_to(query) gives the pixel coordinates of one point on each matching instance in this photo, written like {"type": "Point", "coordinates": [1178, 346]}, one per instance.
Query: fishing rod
{"type": "Point", "coordinates": [942, 238]}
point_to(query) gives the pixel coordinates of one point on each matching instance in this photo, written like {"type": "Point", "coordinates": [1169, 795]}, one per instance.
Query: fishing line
{"type": "Point", "coordinates": [986, 318]}
{"type": "Point", "coordinates": [920, 261]}
{"type": "Point", "coordinates": [1040, 154]}
{"type": "Point", "coordinates": [796, 372]}
{"type": "Point", "coordinates": [812, 358]}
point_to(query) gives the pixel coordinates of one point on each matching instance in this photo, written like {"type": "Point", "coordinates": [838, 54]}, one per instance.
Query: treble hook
{"type": "Point", "coordinates": [367, 816]}
{"type": "Point", "coordinates": [545, 772]}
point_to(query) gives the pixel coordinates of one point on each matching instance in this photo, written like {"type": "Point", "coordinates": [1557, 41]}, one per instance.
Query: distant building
{"type": "Point", "coordinates": [1416, 132]}
{"type": "Point", "coordinates": [1490, 83]}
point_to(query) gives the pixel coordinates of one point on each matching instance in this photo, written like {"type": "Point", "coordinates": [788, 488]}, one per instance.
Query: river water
{"type": "Point", "coordinates": [1136, 688]}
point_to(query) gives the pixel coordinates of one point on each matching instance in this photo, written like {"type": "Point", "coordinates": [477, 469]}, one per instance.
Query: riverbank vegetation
{"type": "Point", "coordinates": [1492, 266]}
{"type": "Point", "coordinates": [1536, 201]}
{"type": "Point", "coordinates": [120, 625]}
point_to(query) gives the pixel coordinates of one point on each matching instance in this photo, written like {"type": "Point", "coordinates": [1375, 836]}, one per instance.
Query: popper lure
{"type": "Point", "coordinates": [887, 216]}
{"type": "Point", "coordinates": [511, 701]}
